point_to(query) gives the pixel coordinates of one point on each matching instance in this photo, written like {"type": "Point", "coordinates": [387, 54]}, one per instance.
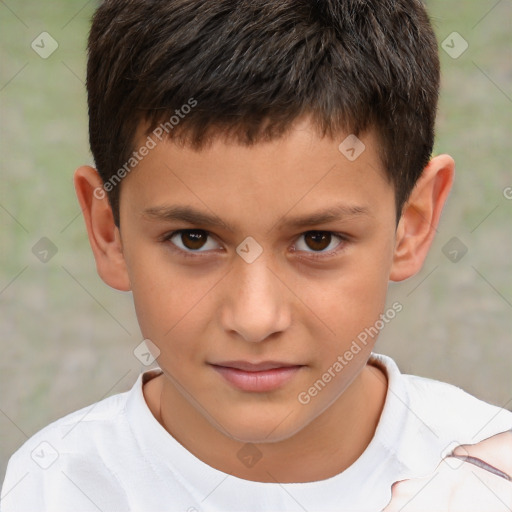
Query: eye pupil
{"type": "Point", "coordinates": [320, 240]}
{"type": "Point", "coordinates": [193, 239]}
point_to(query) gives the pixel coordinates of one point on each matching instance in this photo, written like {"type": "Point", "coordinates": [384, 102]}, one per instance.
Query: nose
{"type": "Point", "coordinates": [257, 303]}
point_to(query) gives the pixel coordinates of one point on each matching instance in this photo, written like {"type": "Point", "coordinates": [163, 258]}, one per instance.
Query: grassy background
{"type": "Point", "coordinates": [67, 339]}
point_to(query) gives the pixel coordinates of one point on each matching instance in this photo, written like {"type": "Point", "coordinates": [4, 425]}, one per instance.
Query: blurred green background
{"type": "Point", "coordinates": [67, 339]}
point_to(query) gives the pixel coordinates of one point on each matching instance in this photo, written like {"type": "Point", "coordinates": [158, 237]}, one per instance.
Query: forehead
{"type": "Point", "coordinates": [299, 172]}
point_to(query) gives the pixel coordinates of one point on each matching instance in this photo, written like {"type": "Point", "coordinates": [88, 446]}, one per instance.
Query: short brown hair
{"type": "Point", "coordinates": [254, 66]}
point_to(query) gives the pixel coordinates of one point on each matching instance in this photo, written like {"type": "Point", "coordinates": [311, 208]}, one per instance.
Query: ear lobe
{"type": "Point", "coordinates": [104, 236]}
{"type": "Point", "coordinates": [420, 217]}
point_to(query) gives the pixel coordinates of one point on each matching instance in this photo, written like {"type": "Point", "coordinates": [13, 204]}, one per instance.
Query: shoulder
{"type": "Point", "coordinates": [437, 412]}
{"type": "Point", "coordinates": [453, 411]}
{"type": "Point", "coordinates": [100, 416]}
{"type": "Point", "coordinates": [48, 460]}
{"type": "Point", "coordinates": [424, 419]}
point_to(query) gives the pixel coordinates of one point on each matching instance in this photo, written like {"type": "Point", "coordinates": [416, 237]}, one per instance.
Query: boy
{"type": "Point", "coordinates": [263, 171]}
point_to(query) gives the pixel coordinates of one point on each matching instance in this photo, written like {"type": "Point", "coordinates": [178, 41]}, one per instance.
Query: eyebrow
{"type": "Point", "coordinates": [196, 217]}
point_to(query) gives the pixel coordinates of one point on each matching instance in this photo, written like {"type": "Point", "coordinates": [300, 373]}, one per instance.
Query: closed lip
{"type": "Point", "coordinates": [262, 366]}
{"type": "Point", "coordinates": [257, 377]}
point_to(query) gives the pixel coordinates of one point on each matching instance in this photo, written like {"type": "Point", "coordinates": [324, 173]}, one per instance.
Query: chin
{"type": "Point", "coordinates": [262, 428]}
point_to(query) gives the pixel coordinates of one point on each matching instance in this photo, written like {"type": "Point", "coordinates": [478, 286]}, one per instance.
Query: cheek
{"type": "Point", "coordinates": [159, 293]}
{"type": "Point", "coordinates": [164, 317]}
{"type": "Point", "coordinates": [367, 280]}
{"type": "Point", "coordinates": [172, 306]}
{"type": "Point", "coordinates": [353, 298]}
{"type": "Point", "coordinates": [351, 307]}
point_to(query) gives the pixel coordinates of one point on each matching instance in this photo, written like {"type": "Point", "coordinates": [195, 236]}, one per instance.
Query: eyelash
{"type": "Point", "coordinates": [311, 255]}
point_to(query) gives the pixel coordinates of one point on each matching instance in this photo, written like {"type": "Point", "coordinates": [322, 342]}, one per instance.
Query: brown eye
{"type": "Point", "coordinates": [193, 239]}
{"type": "Point", "coordinates": [318, 240]}
{"type": "Point", "coordinates": [320, 243]}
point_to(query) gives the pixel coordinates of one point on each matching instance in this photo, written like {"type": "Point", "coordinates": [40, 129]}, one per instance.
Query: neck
{"type": "Point", "coordinates": [324, 448]}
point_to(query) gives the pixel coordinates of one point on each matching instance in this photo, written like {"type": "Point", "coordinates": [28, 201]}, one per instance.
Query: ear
{"type": "Point", "coordinates": [104, 236]}
{"type": "Point", "coordinates": [420, 217]}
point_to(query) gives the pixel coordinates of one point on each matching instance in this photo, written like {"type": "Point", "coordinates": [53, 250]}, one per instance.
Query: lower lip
{"type": "Point", "coordinates": [263, 381]}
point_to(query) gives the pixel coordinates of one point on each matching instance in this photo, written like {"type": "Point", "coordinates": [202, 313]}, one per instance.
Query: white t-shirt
{"type": "Point", "coordinates": [115, 456]}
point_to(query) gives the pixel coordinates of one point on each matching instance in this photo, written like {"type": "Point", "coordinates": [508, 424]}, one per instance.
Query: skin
{"type": "Point", "coordinates": [285, 306]}
{"type": "Point", "coordinates": [463, 487]}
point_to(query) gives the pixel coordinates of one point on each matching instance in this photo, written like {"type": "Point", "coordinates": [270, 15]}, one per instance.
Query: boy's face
{"type": "Point", "coordinates": [213, 304]}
